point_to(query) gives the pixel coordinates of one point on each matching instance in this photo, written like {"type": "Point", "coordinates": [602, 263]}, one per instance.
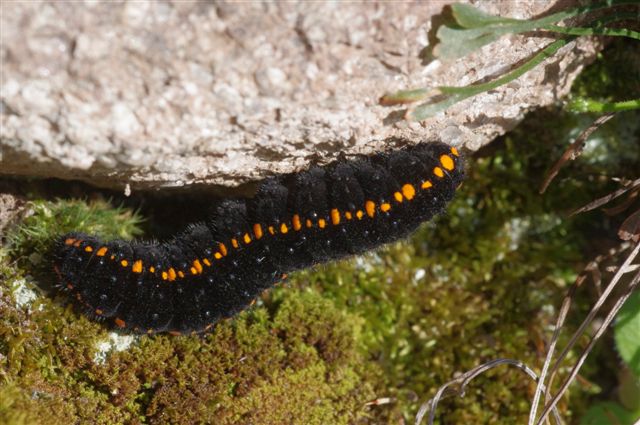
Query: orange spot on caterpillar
{"type": "Point", "coordinates": [88, 249]}
{"type": "Point", "coordinates": [426, 184]}
{"type": "Point", "coordinates": [348, 215]}
{"type": "Point", "coordinates": [454, 151]}
{"type": "Point", "coordinates": [335, 217]}
{"type": "Point", "coordinates": [113, 257]}
{"type": "Point", "coordinates": [137, 267]}
{"type": "Point", "coordinates": [172, 274]}
{"type": "Point", "coordinates": [408, 191]}
{"type": "Point", "coordinates": [197, 265]}
{"type": "Point", "coordinates": [69, 286]}
{"type": "Point", "coordinates": [385, 207]}
{"type": "Point", "coordinates": [447, 162]}
{"type": "Point", "coordinates": [124, 263]}
{"type": "Point", "coordinates": [272, 230]}
{"type": "Point", "coordinates": [359, 214]}
{"type": "Point", "coordinates": [193, 270]}
{"type": "Point", "coordinates": [247, 238]}
{"type": "Point", "coordinates": [438, 172]}
{"type": "Point", "coordinates": [234, 243]}
{"type": "Point", "coordinates": [77, 243]}
{"type": "Point", "coordinates": [180, 273]}
{"type": "Point", "coordinates": [223, 249]}
{"type": "Point", "coordinates": [370, 207]}
{"type": "Point", "coordinates": [283, 228]}
{"type": "Point", "coordinates": [217, 256]}
{"type": "Point", "coordinates": [101, 252]}
{"type": "Point", "coordinates": [309, 223]}
{"type": "Point", "coordinates": [296, 222]}
{"type": "Point", "coordinates": [257, 230]}
{"type": "Point", "coordinates": [119, 322]}
{"type": "Point", "coordinates": [398, 196]}
{"type": "Point", "coordinates": [99, 312]}
{"type": "Point", "coordinates": [69, 241]}
{"type": "Point", "coordinates": [322, 223]}
{"type": "Point", "coordinates": [165, 276]}
{"type": "Point", "coordinates": [206, 261]}
{"type": "Point", "coordinates": [152, 269]}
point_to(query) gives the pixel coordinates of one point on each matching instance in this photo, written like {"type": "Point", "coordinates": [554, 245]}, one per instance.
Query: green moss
{"type": "Point", "coordinates": [49, 219]}
{"type": "Point", "coordinates": [297, 357]}
{"type": "Point", "coordinates": [454, 298]}
{"type": "Point", "coordinates": [395, 323]}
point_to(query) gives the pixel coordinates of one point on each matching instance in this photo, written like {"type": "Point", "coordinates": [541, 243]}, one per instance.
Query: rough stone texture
{"type": "Point", "coordinates": [163, 94]}
{"type": "Point", "coordinates": [11, 207]}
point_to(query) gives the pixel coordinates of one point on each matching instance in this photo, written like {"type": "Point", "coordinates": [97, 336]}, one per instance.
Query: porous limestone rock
{"type": "Point", "coordinates": [157, 94]}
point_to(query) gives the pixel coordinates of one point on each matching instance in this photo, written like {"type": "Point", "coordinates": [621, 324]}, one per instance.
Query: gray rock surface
{"type": "Point", "coordinates": [11, 207]}
{"type": "Point", "coordinates": [157, 94]}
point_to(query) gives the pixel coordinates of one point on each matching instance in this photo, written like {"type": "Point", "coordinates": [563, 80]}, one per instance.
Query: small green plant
{"type": "Point", "coordinates": [627, 333]}
{"type": "Point", "coordinates": [627, 339]}
{"type": "Point", "coordinates": [471, 29]}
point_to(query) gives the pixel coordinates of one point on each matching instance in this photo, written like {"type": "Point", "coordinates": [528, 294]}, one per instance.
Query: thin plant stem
{"type": "Point", "coordinates": [601, 330]}
{"type": "Point", "coordinates": [564, 310]}
{"type": "Point", "coordinates": [460, 93]}
{"type": "Point", "coordinates": [463, 381]}
{"type": "Point", "coordinates": [586, 322]}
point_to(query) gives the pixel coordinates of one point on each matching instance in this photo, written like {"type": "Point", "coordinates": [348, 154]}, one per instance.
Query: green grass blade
{"type": "Point", "coordinates": [611, 32]}
{"type": "Point", "coordinates": [582, 104]}
{"type": "Point", "coordinates": [457, 94]}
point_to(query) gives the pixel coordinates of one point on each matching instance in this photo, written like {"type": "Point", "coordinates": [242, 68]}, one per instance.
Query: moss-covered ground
{"type": "Point", "coordinates": [481, 282]}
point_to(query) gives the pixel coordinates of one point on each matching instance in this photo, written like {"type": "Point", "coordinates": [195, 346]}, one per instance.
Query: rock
{"type": "Point", "coordinates": [177, 94]}
{"type": "Point", "coordinates": [12, 208]}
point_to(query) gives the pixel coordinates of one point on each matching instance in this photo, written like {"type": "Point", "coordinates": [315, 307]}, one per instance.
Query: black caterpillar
{"type": "Point", "coordinates": [216, 268]}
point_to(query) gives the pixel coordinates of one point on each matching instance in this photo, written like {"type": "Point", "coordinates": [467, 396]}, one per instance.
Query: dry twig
{"type": "Point", "coordinates": [574, 150]}
{"type": "Point", "coordinates": [626, 267]}
{"type": "Point", "coordinates": [605, 199]}
{"type": "Point", "coordinates": [463, 380]}
{"type": "Point", "coordinates": [550, 405]}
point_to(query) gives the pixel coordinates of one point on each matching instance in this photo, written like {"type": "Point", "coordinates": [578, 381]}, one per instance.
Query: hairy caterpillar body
{"type": "Point", "coordinates": [218, 267]}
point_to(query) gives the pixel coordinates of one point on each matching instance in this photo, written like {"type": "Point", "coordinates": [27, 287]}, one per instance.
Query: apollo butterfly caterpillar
{"type": "Point", "coordinates": [218, 267]}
